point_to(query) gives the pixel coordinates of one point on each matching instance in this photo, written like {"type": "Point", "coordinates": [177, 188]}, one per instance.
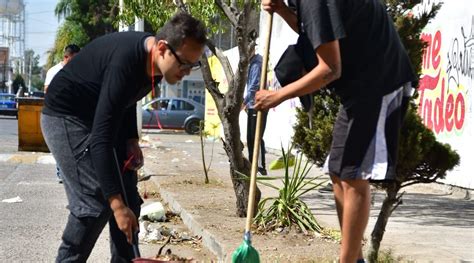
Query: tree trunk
{"type": "Point", "coordinates": [388, 205]}
{"type": "Point", "coordinates": [234, 147]}
{"type": "Point", "coordinates": [228, 108]}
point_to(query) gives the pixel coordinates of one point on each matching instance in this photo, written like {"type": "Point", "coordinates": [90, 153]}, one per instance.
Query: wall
{"type": "Point", "coordinates": [446, 86]}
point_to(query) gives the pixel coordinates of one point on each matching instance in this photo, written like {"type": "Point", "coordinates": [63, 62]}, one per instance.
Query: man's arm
{"type": "Point", "coordinates": [328, 69]}
{"type": "Point", "coordinates": [107, 119]}
{"type": "Point", "coordinates": [133, 147]}
{"type": "Point", "coordinates": [130, 122]}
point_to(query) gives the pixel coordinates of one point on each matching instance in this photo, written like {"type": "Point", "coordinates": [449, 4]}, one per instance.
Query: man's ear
{"type": "Point", "coordinates": [161, 47]}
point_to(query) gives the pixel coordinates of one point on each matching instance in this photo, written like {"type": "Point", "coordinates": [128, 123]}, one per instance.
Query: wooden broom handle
{"type": "Point", "coordinates": [258, 135]}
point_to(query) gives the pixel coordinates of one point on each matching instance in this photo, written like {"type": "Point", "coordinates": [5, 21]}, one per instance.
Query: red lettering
{"type": "Point", "coordinates": [438, 111]}
{"type": "Point", "coordinates": [449, 113]}
{"type": "Point", "coordinates": [445, 114]}
{"type": "Point", "coordinates": [431, 55]}
{"type": "Point", "coordinates": [459, 112]}
{"type": "Point", "coordinates": [435, 50]}
{"type": "Point", "coordinates": [426, 83]}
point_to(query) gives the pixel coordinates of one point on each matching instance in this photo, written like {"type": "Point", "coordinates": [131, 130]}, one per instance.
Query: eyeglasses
{"type": "Point", "coordinates": [184, 66]}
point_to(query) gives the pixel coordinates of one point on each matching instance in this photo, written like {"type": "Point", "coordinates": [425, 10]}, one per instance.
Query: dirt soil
{"type": "Point", "coordinates": [174, 164]}
{"type": "Point", "coordinates": [183, 244]}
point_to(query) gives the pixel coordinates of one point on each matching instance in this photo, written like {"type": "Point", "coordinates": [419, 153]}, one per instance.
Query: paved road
{"type": "Point", "coordinates": [8, 134]}
{"type": "Point", "coordinates": [31, 230]}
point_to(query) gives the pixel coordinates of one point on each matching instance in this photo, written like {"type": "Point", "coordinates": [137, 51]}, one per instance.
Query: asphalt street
{"type": "Point", "coordinates": [8, 134]}
{"type": "Point", "coordinates": [31, 229]}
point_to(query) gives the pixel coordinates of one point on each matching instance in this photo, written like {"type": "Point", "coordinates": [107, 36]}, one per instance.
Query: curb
{"type": "Point", "coordinates": [208, 239]}
{"type": "Point", "coordinates": [28, 158]}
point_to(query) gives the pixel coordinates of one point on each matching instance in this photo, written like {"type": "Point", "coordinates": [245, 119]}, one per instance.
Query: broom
{"type": "Point", "coordinates": [245, 252]}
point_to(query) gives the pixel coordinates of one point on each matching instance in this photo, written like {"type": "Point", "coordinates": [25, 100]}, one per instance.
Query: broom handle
{"type": "Point", "coordinates": [136, 251]}
{"type": "Point", "coordinates": [258, 134]}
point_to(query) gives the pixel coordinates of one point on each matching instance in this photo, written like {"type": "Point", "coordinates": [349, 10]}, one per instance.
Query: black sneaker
{"type": "Point", "coordinates": [262, 171]}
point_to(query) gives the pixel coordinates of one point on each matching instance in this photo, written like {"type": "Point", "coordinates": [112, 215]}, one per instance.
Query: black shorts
{"type": "Point", "coordinates": [365, 139]}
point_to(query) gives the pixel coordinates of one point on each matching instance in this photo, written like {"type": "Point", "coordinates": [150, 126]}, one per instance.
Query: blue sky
{"type": "Point", "coordinates": [41, 26]}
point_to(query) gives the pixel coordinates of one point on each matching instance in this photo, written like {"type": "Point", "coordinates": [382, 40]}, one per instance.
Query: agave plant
{"type": "Point", "coordinates": [288, 209]}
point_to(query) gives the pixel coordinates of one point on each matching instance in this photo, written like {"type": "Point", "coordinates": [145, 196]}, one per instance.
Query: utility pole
{"type": "Point", "coordinates": [140, 26]}
{"type": "Point", "coordinates": [29, 72]}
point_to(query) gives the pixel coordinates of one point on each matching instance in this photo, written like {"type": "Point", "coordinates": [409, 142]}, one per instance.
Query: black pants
{"type": "Point", "coordinates": [67, 139]}
{"type": "Point", "coordinates": [251, 130]}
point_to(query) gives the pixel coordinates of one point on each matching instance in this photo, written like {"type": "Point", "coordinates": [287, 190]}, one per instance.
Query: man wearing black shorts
{"type": "Point", "coordinates": [361, 57]}
{"type": "Point", "coordinates": [89, 123]}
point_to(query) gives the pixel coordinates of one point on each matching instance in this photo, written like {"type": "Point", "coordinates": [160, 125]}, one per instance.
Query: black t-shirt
{"type": "Point", "coordinates": [101, 86]}
{"type": "Point", "coordinates": [374, 61]}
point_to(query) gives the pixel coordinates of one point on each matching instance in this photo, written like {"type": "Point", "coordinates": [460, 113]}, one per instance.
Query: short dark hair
{"type": "Point", "coordinates": [71, 49]}
{"type": "Point", "coordinates": [180, 27]}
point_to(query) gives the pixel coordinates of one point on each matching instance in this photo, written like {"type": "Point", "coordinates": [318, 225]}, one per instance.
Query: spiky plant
{"type": "Point", "coordinates": [288, 209]}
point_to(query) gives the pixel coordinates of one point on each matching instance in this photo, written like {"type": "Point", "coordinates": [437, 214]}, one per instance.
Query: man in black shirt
{"type": "Point", "coordinates": [361, 57]}
{"type": "Point", "coordinates": [89, 124]}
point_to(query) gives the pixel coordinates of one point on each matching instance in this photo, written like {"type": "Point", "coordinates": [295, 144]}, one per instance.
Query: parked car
{"type": "Point", "coordinates": [173, 113]}
{"type": "Point", "coordinates": [8, 105]}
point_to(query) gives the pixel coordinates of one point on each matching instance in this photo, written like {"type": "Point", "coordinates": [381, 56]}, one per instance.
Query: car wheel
{"type": "Point", "coordinates": [192, 126]}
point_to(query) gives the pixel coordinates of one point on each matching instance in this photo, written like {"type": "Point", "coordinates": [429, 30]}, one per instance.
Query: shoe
{"type": "Point", "coordinates": [262, 171]}
{"type": "Point", "coordinates": [326, 189]}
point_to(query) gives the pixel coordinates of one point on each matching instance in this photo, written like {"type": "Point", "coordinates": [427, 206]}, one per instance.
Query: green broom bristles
{"type": "Point", "coordinates": [245, 253]}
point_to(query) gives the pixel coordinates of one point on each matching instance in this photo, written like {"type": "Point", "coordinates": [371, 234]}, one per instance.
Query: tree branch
{"type": "Point", "coordinates": [227, 11]}
{"type": "Point", "coordinates": [212, 85]}
{"type": "Point", "coordinates": [223, 60]}
{"type": "Point", "coordinates": [423, 179]}
{"type": "Point", "coordinates": [398, 202]}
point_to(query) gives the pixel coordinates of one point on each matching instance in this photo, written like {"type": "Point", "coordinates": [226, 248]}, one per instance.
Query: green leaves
{"type": "Point", "coordinates": [83, 20]}
{"type": "Point", "coordinates": [315, 143]}
{"type": "Point", "coordinates": [288, 209]}
{"type": "Point", "coordinates": [157, 12]}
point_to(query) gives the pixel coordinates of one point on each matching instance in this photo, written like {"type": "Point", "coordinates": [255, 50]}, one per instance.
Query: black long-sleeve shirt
{"type": "Point", "coordinates": [101, 86]}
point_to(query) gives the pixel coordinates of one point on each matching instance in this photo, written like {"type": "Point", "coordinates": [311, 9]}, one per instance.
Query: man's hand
{"type": "Point", "coordinates": [266, 99]}
{"type": "Point", "coordinates": [125, 218]}
{"type": "Point", "coordinates": [273, 5]}
{"type": "Point", "coordinates": [133, 149]}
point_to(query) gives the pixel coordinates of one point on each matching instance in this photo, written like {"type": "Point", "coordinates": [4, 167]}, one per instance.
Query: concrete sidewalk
{"type": "Point", "coordinates": [434, 223]}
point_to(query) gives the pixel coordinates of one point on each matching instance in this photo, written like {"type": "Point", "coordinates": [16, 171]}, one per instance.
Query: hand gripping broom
{"type": "Point", "coordinates": [245, 252]}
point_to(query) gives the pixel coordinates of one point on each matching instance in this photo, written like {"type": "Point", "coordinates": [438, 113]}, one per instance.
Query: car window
{"type": "Point", "coordinates": [158, 105]}
{"type": "Point", "coordinates": [181, 105]}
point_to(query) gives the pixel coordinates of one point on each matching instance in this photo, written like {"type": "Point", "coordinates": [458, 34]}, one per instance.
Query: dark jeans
{"type": "Point", "coordinates": [67, 139]}
{"type": "Point", "coordinates": [251, 130]}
